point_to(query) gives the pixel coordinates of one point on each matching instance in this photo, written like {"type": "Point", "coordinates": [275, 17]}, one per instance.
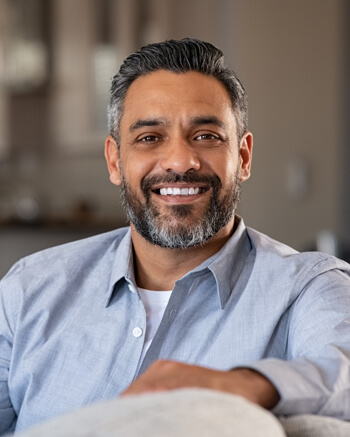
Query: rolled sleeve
{"type": "Point", "coordinates": [303, 389]}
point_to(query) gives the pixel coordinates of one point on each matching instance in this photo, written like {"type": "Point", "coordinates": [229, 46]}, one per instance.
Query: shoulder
{"type": "Point", "coordinates": [276, 258]}
{"type": "Point", "coordinates": [62, 273]}
{"type": "Point", "coordinates": [69, 259]}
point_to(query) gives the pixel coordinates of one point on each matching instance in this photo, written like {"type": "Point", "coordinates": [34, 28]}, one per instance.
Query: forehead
{"type": "Point", "coordinates": [167, 94]}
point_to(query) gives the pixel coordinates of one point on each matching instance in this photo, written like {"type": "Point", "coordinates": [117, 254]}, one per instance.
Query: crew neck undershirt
{"type": "Point", "coordinates": [155, 303]}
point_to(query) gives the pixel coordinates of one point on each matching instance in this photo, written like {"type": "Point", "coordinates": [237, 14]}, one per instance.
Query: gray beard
{"type": "Point", "coordinates": [156, 228]}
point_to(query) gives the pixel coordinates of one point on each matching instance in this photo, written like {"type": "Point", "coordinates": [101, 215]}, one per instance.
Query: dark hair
{"type": "Point", "coordinates": [178, 57]}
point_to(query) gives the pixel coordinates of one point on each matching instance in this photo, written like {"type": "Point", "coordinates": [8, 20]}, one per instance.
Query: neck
{"type": "Point", "coordinates": [157, 268]}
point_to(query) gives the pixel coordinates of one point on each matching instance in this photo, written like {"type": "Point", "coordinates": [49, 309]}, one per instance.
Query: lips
{"type": "Point", "coordinates": [174, 186]}
{"type": "Point", "coordinates": [177, 191]}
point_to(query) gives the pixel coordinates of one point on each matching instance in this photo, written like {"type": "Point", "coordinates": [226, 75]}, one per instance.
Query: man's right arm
{"type": "Point", "coordinates": [7, 413]}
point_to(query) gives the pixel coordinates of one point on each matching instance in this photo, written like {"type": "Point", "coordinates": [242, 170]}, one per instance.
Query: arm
{"type": "Point", "coordinates": [7, 414]}
{"type": "Point", "coordinates": [315, 378]}
{"type": "Point", "coordinates": [171, 375]}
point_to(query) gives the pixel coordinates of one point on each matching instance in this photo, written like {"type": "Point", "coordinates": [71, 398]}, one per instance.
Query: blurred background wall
{"type": "Point", "coordinates": [57, 58]}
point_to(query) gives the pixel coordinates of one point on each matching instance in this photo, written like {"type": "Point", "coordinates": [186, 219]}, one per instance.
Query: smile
{"type": "Point", "coordinates": [176, 191]}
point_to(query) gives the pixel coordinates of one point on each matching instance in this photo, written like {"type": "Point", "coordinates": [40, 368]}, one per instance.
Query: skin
{"type": "Point", "coordinates": [182, 123]}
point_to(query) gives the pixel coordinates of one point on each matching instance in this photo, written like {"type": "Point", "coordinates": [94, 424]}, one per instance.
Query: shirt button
{"type": "Point", "coordinates": [131, 288]}
{"type": "Point", "coordinates": [137, 332]}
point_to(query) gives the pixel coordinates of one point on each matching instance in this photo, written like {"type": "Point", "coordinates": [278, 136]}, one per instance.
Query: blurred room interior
{"type": "Point", "coordinates": [57, 58]}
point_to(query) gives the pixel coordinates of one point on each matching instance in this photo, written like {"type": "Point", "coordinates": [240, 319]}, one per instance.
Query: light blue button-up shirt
{"type": "Point", "coordinates": [68, 318]}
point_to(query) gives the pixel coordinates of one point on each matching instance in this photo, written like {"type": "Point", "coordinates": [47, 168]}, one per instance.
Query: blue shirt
{"type": "Point", "coordinates": [68, 317]}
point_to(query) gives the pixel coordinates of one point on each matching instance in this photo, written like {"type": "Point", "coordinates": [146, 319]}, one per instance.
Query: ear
{"type": "Point", "coordinates": [112, 158]}
{"type": "Point", "coordinates": [246, 152]}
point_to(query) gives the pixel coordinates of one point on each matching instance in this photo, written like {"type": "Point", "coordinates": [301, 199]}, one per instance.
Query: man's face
{"type": "Point", "coordinates": [180, 163]}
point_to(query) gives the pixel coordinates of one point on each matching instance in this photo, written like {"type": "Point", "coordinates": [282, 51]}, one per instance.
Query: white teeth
{"type": "Point", "coordinates": [179, 191]}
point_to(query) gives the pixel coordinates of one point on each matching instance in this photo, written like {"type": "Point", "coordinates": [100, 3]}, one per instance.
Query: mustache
{"type": "Point", "coordinates": [172, 177]}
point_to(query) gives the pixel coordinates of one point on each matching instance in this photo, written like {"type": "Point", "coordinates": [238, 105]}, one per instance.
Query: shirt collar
{"type": "Point", "coordinates": [229, 263]}
{"type": "Point", "coordinates": [226, 265]}
{"type": "Point", "coordinates": [123, 265]}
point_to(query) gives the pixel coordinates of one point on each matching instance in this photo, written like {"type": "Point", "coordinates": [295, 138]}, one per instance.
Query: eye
{"type": "Point", "coordinates": [148, 139]}
{"type": "Point", "coordinates": [207, 137]}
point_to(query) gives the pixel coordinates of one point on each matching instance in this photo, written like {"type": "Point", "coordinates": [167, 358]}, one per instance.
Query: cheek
{"type": "Point", "coordinates": [225, 168]}
{"type": "Point", "coordinates": [135, 168]}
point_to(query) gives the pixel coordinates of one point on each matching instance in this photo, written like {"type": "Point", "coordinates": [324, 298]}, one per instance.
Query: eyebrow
{"type": "Point", "coordinates": [194, 121]}
{"type": "Point", "coordinates": [147, 122]}
{"type": "Point", "coordinates": [204, 120]}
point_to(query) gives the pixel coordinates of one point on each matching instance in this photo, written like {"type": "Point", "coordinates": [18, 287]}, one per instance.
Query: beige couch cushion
{"type": "Point", "coordinates": [180, 413]}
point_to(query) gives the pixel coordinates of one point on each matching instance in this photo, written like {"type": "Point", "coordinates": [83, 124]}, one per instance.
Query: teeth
{"type": "Point", "coordinates": [179, 191]}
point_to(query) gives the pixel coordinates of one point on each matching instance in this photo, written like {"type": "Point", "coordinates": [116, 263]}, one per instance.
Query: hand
{"type": "Point", "coordinates": [172, 375]}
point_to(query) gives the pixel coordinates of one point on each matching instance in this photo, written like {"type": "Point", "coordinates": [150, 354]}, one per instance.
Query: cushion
{"type": "Point", "coordinates": [179, 413]}
{"type": "Point", "coordinates": [308, 425]}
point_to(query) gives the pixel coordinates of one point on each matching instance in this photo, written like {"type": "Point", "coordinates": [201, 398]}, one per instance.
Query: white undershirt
{"type": "Point", "coordinates": [155, 303]}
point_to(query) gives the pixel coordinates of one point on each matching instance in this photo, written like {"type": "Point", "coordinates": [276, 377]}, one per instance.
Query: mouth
{"type": "Point", "coordinates": [180, 191]}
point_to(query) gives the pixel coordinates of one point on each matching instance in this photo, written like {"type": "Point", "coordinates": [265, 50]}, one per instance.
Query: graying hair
{"type": "Point", "coordinates": [177, 57]}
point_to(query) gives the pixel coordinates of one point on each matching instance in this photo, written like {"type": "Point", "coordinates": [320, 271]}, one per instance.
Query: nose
{"type": "Point", "coordinates": [180, 156]}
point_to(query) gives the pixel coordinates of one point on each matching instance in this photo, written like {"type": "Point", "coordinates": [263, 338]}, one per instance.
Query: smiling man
{"type": "Point", "coordinates": [187, 296]}
{"type": "Point", "coordinates": [179, 160]}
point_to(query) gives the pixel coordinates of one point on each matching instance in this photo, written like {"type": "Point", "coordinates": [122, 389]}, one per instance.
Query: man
{"type": "Point", "coordinates": [187, 296]}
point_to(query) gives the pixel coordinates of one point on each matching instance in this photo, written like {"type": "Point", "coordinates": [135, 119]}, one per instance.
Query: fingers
{"type": "Point", "coordinates": [169, 375]}
{"type": "Point", "coordinates": [172, 375]}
